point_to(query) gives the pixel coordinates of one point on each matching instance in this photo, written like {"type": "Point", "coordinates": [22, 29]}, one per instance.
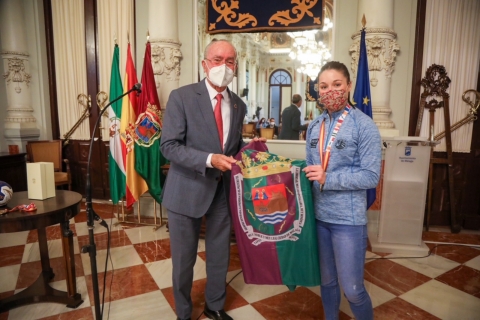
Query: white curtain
{"type": "Point", "coordinates": [452, 39]}
{"type": "Point", "coordinates": [116, 21]}
{"type": "Point", "coordinates": [70, 64]}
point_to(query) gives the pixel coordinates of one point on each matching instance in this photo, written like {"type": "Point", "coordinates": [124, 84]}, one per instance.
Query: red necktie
{"type": "Point", "coordinates": [218, 117]}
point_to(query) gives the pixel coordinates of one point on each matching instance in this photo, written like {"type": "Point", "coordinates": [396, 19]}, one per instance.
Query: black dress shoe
{"type": "Point", "coordinates": [216, 315]}
{"type": "Point", "coordinates": [184, 319]}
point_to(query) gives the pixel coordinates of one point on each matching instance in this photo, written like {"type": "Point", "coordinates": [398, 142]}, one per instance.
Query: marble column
{"type": "Point", "coordinates": [252, 86]}
{"type": "Point", "coordinates": [381, 50]}
{"type": "Point", "coordinates": [234, 40]}
{"type": "Point", "coordinates": [261, 85]}
{"type": "Point", "coordinates": [203, 37]}
{"type": "Point", "coordinates": [166, 54]}
{"type": "Point", "coordinates": [241, 69]}
{"type": "Point", "coordinates": [20, 123]}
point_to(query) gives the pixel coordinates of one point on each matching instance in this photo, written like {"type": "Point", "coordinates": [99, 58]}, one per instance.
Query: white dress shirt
{"type": "Point", "coordinates": [225, 114]}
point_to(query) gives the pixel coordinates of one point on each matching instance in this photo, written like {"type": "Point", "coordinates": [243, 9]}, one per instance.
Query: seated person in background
{"type": "Point", "coordinates": [262, 123]}
{"type": "Point", "coordinates": [273, 125]}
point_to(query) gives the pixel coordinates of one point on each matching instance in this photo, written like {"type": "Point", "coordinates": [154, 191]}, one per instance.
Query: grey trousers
{"type": "Point", "coordinates": [184, 235]}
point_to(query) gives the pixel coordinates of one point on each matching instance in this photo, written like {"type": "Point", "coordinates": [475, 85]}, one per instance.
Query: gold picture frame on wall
{"type": "Point", "coordinates": [280, 40]}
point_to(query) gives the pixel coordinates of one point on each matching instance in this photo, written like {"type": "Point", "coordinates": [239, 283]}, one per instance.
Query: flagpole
{"type": "Point", "coordinates": [361, 95]}
{"type": "Point", "coordinates": [91, 215]}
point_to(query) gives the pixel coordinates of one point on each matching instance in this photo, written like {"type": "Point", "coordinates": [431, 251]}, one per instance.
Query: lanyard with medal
{"type": "Point", "coordinates": [325, 155]}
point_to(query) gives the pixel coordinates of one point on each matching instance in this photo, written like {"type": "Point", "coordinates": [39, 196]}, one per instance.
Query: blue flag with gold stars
{"type": "Point", "coordinates": [362, 97]}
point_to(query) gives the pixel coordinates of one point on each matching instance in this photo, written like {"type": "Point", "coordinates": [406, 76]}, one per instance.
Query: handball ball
{"type": "Point", "coordinates": [6, 193]}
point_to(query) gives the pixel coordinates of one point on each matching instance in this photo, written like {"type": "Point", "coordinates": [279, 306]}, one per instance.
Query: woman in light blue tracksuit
{"type": "Point", "coordinates": [348, 165]}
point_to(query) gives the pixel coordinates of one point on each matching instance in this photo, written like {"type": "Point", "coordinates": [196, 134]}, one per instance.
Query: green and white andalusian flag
{"type": "Point", "coordinates": [117, 148]}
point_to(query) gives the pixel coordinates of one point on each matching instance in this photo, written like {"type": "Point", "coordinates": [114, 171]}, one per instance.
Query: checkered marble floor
{"type": "Point", "coordinates": [446, 285]}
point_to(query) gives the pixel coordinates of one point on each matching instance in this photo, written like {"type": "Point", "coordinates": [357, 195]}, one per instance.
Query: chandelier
{"type": "Point", "coordinates": [311, 54]}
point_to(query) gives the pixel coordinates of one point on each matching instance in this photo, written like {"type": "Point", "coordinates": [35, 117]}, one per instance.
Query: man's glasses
{"type": "Point", "coordinates": [218, 61]}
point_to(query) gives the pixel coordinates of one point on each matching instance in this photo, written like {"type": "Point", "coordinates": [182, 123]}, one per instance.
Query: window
{"type": "Point", "coordinates": [280, 92]}
{"type": "Point", "coordinates": [280, 77]}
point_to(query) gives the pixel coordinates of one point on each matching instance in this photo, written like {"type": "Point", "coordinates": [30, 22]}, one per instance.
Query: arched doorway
{"type": "Point", "coordinates": [280, 93]}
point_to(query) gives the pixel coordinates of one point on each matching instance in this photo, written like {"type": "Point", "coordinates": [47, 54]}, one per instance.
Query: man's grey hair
{"type": "Point", "coordinates": [207, 48]}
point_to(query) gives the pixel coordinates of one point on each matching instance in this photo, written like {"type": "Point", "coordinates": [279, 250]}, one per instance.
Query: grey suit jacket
{"type": "Point", "coordinates": [291, 123]}
{"type": "Point", "coordinates": [189, 135]}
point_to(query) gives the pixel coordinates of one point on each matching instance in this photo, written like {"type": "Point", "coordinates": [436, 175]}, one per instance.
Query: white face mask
{"type": "Point", "coordinates": [272, 124]}
{"type": "Point", "coordinates": [220, 76]}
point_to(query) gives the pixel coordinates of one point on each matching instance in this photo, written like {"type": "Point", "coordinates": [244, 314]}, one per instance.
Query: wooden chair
{"type": "Point", "coordinates": [50, 151]}
{"type": "Point", "coordinates": [267, 133]}
{"type": "Point", "coordinates": [248, 130]}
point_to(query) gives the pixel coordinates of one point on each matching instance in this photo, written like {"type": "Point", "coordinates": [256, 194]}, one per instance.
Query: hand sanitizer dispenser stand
{"type": "Point", "coordinates": [405, 182]}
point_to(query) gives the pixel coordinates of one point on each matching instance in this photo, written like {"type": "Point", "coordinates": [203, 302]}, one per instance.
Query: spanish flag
{"type": "Point", "coordinates": [136, 186]}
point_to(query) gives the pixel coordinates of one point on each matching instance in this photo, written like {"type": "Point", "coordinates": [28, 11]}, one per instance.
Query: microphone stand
{"type": "Point", "coordinates": [91, 215]}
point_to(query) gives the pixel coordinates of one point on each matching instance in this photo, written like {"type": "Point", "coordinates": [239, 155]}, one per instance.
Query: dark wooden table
{"type": "Point", "coordinates": [59, 209]}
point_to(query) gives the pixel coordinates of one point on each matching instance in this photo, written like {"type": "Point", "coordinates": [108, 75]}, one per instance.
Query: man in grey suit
{"type": "Point", "coordinates": [291, 123]}
{"type": "Point", "coordinates": [197, 185]}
